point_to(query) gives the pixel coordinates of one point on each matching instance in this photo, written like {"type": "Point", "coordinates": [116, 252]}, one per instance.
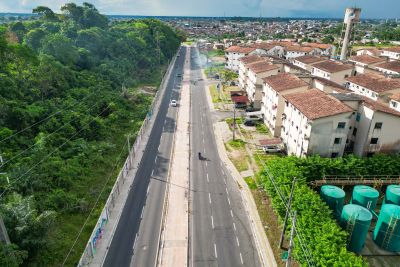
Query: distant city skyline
{"type": "Point", "coordinates": [230, 8]}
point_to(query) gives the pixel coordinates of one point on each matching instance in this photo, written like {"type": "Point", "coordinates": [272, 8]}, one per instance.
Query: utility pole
{"type": "Point", "coordinates": [3, 232]}
{"type": "Point", "coordinates": [289, 259]}
{"type": "Point", "coordinates": [287, 214]}
{"type": "Point", "coordinates": [234, 121]}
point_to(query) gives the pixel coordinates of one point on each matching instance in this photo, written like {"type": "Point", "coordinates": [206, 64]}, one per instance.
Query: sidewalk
{"type": "Point", "coordinates": [119, 201]}
{"type": "Point", "coordinates": [260, 238]}
{"type": "Point", "coordinates": [174, 248]}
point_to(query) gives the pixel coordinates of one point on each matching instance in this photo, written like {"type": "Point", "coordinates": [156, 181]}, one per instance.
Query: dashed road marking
{"type": "Point", "coordinates": [241, 258]}
{"type": "Point", "coordinates": [237, 241]}
{"type": "Point", "coordinates": [215, 250]}
{"type": "Point", "coordinates": [141, 215]}
{"type": "Point", "coordinates": [148, 189]}
{"type": "Point", "coordinates": [234, 226]}
{"type": "Point", "coordinates": [212, 222]}
{"type": "Point", "coordinates": [229, 201]}
{"type": "Point", "coordinates": [231, 213]}
{"type": "Point", "coordinates": [209, 198]}
{"type": "Point", "coordinates": [208, 180]}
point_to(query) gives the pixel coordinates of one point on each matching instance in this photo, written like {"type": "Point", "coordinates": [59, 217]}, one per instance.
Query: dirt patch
{"type": "Point", "coordinates": [148, 90]}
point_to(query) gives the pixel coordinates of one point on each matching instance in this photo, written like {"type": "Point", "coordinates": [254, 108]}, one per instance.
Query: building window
{"type": "Point", "coordinates": [337, 141]}
{"type": "Point", "coordinates": [354, 131]}
{"type": "Point", "coordinates": [378, 125]}
{"type": "Point", "coordinates": [335, 155]}
{"type": "Point", "coordinates": [374, 141]}
{"type": "Point", "coordinates": [341, 125]}
{"type": "Point", "coordinates": [358, 117]}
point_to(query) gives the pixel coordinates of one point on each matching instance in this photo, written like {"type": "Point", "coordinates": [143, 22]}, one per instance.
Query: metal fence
{"type": "Point", "coordinates": [98, 231]}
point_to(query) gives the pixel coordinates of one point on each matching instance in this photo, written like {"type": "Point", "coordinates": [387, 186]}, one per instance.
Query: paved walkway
{"type": "Point", "coordinates": [174, 248]}
{"type": "Point", "coordinates": [115, 212]}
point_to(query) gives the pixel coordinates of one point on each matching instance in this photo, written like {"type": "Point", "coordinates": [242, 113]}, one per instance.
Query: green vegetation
{"type": "Point", "coordinates": [325, 240]}
{"type": "Point", "coordinates": [262, 128]}
{"type": "Point", "coordinates": [216, 53]}
{"type": "Point", "coordinates": [237, 144]}
{"type": "Point", "coordinates": [215, 96]}
{"type": "Point", "coordinates": [251, 182]}
{"type": "Point", "coordinates": [65, 120]}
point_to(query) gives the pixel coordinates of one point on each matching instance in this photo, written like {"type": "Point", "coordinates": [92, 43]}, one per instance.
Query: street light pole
{"type": "Point", "coordinates": [234, 121]}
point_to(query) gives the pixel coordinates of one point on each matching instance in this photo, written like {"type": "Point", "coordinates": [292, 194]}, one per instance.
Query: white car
{"type": "Point", "coordinates": [174, 103]}
{"type": "Point", "coordinates": [271, 149]}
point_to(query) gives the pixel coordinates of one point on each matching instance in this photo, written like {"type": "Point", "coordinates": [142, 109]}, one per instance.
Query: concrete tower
{"type": "Point", "coordinates": [351, 17]}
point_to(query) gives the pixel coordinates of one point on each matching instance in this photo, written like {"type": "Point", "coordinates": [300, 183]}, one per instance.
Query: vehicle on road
{"type": "Point", "coordinates": [253, 118]}
{"type": "Point", "coordinates": [174, 103]}
{"type": "Point", "coordinates": [272, 149]}
{"type": "Point", "coordinates": [252, 109]}
{"type": "Point", "coordinates": [249, 123]}
{"type": "Point", "coordinates": [240, 105]}
{"type": "Point", "coordinates": [179, 75]}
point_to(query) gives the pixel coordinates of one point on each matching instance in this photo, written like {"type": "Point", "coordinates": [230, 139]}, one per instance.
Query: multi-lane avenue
{"type": "Point", "coordinates": [136, 238]}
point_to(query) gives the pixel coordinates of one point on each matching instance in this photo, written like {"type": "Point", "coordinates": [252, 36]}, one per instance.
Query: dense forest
{"type": "Point", "coordinates": [69, 99]}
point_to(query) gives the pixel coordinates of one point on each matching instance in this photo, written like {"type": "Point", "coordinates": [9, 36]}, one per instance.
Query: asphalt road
{"type": "Point", "coordinates": [136, 239]}
{"type": "Point", "coordinates": [219, 232]}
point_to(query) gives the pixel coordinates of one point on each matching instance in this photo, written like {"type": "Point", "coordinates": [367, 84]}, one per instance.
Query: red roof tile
{"type": "Point", "coordinates": [375, 82]}
{"type": "Point", "coordinates": [284, 81]}
{"type": "Point", "coordinates": [332, 66]}
{"type": "Point", "coordinates": [240, 49]}
{"type": "Point", "coordinates": [391, 65]}
{"type": "Point", "coordinates": [309, 59]}
{"type": "Point", "coordinates": [367, 59]}
{"type": "Point", "coordinates": [262, 66]}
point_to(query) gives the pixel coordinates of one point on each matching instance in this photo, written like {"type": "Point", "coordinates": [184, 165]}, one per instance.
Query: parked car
{"type": "Point", "coordinates": [252, 109]}
{"type": "Point", "coordinates": [253, 118]}
{"type": "Point", "coordinates": [249, 123]}
{"type": "Point", "coordinates": [174, 103]}
{"type": "Point", "coordinates": [240, 105]}
{"type": "Point", "coordinates": [271, 149]}
{"type": "Point", "coordinates": [179, 75]}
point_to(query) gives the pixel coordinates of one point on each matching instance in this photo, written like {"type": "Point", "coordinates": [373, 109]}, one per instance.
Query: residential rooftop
{"type": "Point", "coordinates": [395, 49]}
{"type": "Point", "coordinates": [240, 49]}
{"type": "Point", "coordinates": [251, 59]}
{"type": "Point", "coordinates": [375, 82]}
{"type": "Point", "coordinates": [395, 97]}
{"type": "Point", "coordinates": [315, 104]}
{"type": "Point", "coordinates": [391, 65]}
{"type": "Point", "coordinates": [284, 81]}
{"type": "Point", "coordinates": [309, 59]}
{"type": "Point", "coordinates": [262, 66]}
{"type": "Point", "coordinates": [367, 59]}
{"type": "Point", "coordinates": [332, 66]}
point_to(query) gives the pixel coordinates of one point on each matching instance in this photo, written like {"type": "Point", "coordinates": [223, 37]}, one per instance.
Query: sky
{"type": "Point", "coordinates": [244, 8]}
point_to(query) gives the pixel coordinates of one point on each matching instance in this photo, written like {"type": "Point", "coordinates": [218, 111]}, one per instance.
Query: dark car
{"type": "Point", "coordinates": [252, 109]}
{"type": "Point", "coordinates": [240, 105]}
{"type": "Point", "coordinates": [249, 123]}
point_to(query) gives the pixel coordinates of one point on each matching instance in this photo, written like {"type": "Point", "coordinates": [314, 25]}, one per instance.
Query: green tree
{"type": "Point", "coordinates": [45, 12]}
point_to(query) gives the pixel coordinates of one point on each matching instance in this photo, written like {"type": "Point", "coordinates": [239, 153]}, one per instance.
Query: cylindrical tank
{"type": "Point", "coordinates": [392, 195]}
{"type": "Point", "coordinates": [334, 198]}
{"type": "Point", "coordinates": [365, 196]}
{"type": "Point", "coordinates": [356, 220]}
{"type": "Point", "coordinates": [387, 229]}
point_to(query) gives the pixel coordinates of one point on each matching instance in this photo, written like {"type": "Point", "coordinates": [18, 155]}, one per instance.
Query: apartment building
{"type": "Point", "coordinates": [326, 49]}
{"type": "Point", "coordinates": [273, 103]}
{"type": "Point", "coordinates": [374, 128]}
{"type": "Point", "coordinates": [314, 122]}
{"type": "Point", "coordinates": [365, 61]}
{"type": "Point", "coordinates": [368, 51]}
{"type": "Point", "coordinates": [243, 69]}
{"type": "Point", "coordinates": [327, 86]}
{"type": "Point", "coordinates": [233, 54]}
{"type": "Point", "coordinates": [373, 86]}
{"type": "Point", "coordinates": [298, 51]}
{"type": "Point", "coordinates": [395, 102]}
{"type": "Point", "coordinates": [306, 62]}
{"type": "Point", "coordinates": [256, 73]}
{"type": "Point", "coordinates": [393, 53]}
{"type": "Point", "coordinates": [332, 70]}
{"type": "Point", "coordinates": [389, 68]}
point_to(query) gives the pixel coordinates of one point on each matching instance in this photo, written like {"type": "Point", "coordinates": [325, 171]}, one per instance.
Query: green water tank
{"type": "Point", "coordinates": [365, 196]}
{"type": "Point", "coordinates": [392, 195]}
{"type": "Point", "coordinates": [334, 198]}
{"type": "Point", "coordinates": [356, 220]}
{"type": "Point", "coordinates": [387, 229]}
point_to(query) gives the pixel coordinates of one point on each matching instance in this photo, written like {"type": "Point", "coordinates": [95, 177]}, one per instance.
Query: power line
{"type": "Point", "coordinates": [78, 103]}
{"type": "Point", "coordinates": [48, 155]}
{"type": "Point", "coordinates": [95, 204]}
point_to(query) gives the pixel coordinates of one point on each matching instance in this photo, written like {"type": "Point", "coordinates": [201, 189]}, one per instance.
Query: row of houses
{"type": "Point", "coordinates": [318, 106]}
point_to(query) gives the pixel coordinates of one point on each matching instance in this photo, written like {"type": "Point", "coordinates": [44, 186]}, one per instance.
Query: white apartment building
{"type": "Point", "coordinates": [273, 103]}
{"type": "Point", "coordinates": [390, 68]}
{"type": "Point", "coordinates": [327, 86]}
{"type": "Point", "coordinates": [306, 62]}
{"type": "Point", "coordinates": [325, 49]}
{"type": "Point", "coordinates": [256, 73]}
{"type": "Point", "coordinates": [243, 69]}
{"type": "Point", "coordinates": [297, 51]}
{"type": "Point", "coordinates": [392, 53]}
{"type": "Point", "coordinates": [368, 51]}
{"type": "Point", "coordinates": [373, 86]}
{"type": "Point", "coordinates": [365, 61]}
{"type": "Point", "coordinates": [315, 123]}
{"type": "Point", "coordinates": [332, 70]}
{"type": "Point", "coordinates": [375, 127]}
{"type": "Point", "coordinates": [233, 54]}
{"type": "Point", "coordinates": [395, 102]}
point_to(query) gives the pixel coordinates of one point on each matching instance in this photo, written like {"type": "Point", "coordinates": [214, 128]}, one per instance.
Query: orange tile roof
{"type": "Point", "coordinates": [240, 49]}
{"type": "Point", "coordinates": [297, 48]}
{"type": "Point", "coordinates": [284, 81]}
{"type": "Point", "coordinates": [251, 59]}
{"type": "Point", "coordinates": [395, 49]}
{"type": "Point", "coordinates": [367, 59]}
{"type": "Point", "coordinates": [395, 97]}
{"type": "Point", "coordinates": [391, 65]}
{"type": "Point", "coordinates": [375, 82]}
{"type": "Point", "coordinates": [332, 66]}
{"type": "Point", "coordinates": [315, 104]}
{"type": "Point", "coordinates": [318, 45]}
{"type": "Point", "coordinates": [262, 66]}
{"type": "Point", "coordinates": [377, 106]}
{"type": "Point", "coordinates": [309, 59]}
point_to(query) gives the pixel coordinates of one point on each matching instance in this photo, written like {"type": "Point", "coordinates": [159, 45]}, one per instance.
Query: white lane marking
{"type": "Point", "coordinates": [212, 222]}
{"type": "Point", "coordinates": [215, 250]}
{"type": "Point", "coordinates": [141, 215]}
{"type": "Point", "coordinates": [209, 198]}
{"type": "Point", "coordinates": [148, 188]}
{"type": "Point", "coordinates": [152, 172]}
{"type": "Point", "coordinates": [206, 164]}
{"type": "Point", "coordinates": [134, 243]}
{"type": "Point", "coordinates": [234, 226]}
{"type": "Point", "coordinates": [203, 141]}
{"type": "Point", "coordinates": [155, 160]}
{"type": "Point", "coordinates": [241, 258]}
{"type": "Point", "coordinates": [207, 179]}
{"type": "Point", "coordinates": [226, 189]}
{"type": "Point", "coordinates": [237, 241]}
{"type": "Point", "coordinates": [231, 213]}
{"type": "Point", "coordinates": [229, 201]}
{"type": "Point", "coordinates": [225, 181]}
